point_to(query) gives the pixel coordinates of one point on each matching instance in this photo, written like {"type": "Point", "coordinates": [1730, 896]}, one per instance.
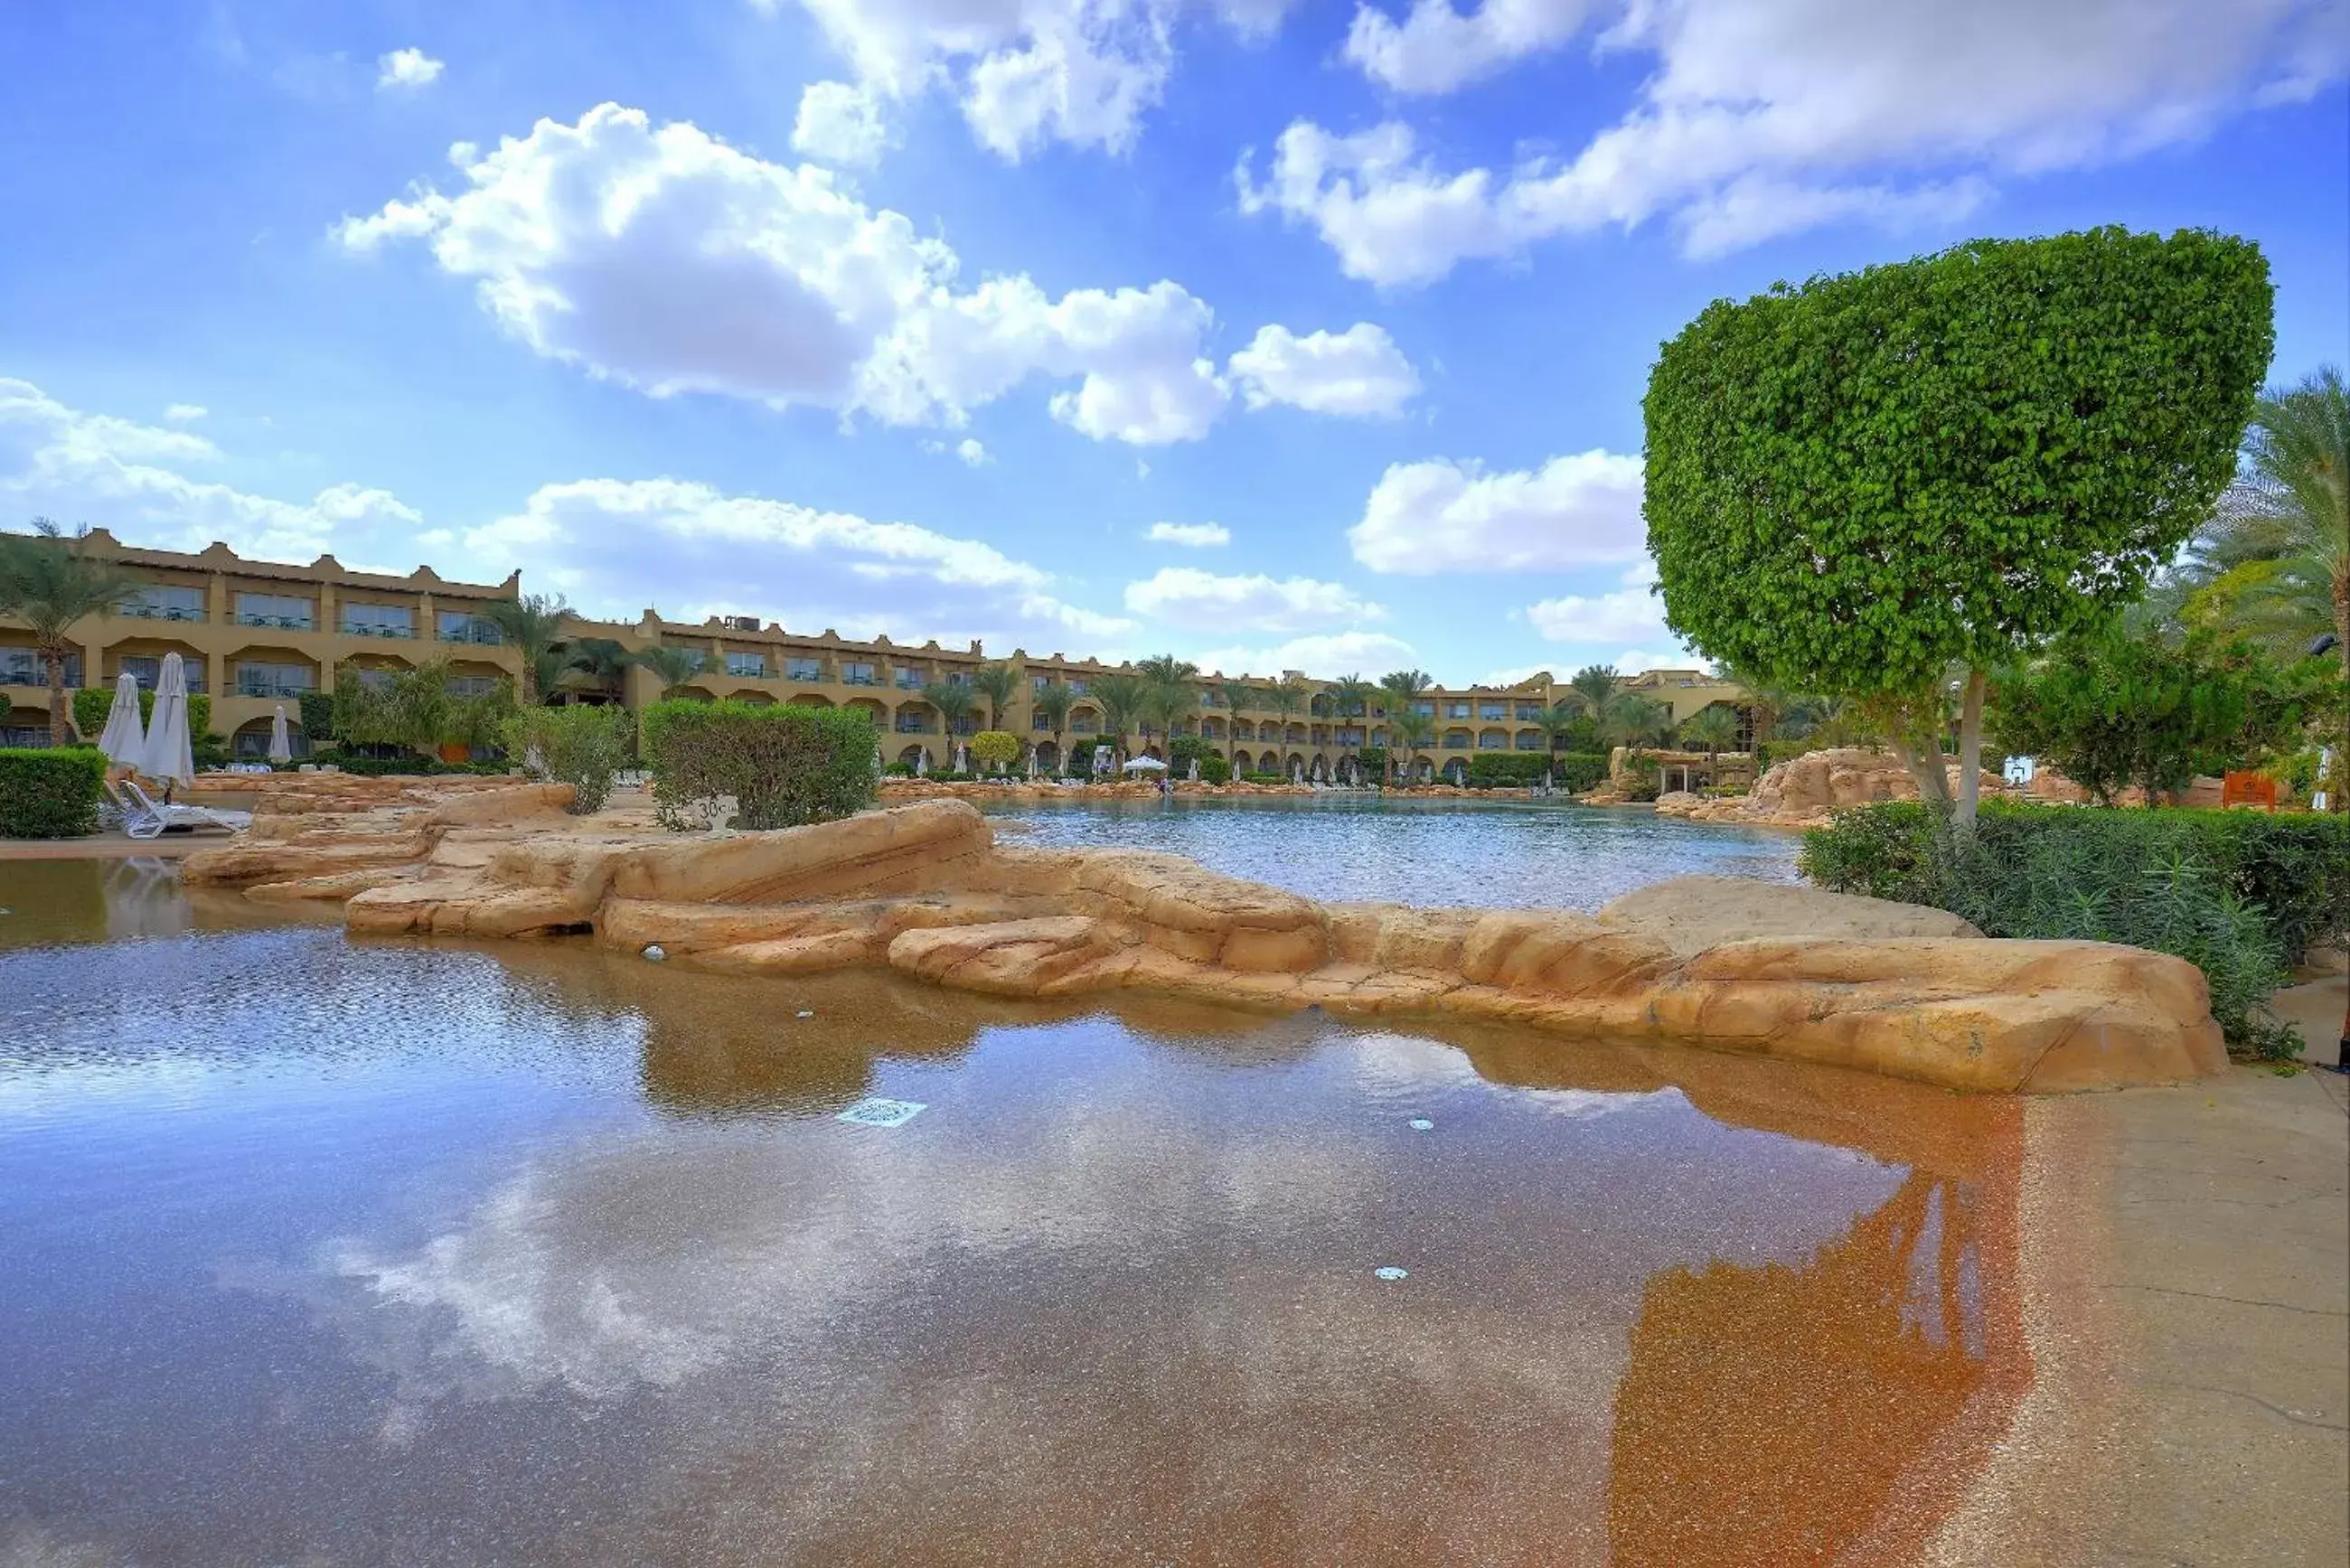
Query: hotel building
{"type": "Point", "coordinates": [256, 635]}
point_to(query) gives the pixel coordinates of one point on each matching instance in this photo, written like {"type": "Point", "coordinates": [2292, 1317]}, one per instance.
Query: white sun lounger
{"type": "Point", "coordinates": [144, 818]}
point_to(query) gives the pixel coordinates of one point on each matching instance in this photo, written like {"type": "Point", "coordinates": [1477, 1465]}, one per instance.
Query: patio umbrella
{"type": "Point", "coordinates": [281, 745]}
{"type": "Point", "coordinates": [124, 740]}
{"type": "Point", "coordinates": [167, 754]}
{"type": "Point", "coordinates": [1146, 764]}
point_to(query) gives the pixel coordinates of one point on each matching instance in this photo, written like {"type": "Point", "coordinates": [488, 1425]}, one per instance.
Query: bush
{"type": "Point", "coordinates": [50, 791]}
{"type": "Point", "coordinates": [2239, 894]}
{"type": "Point", "coordinates": [91, 704]}
{"type": "Point", "coordinates": [1580, 771]}
{"type": "Point", "coordinates": [319, 718]}
{"type": "Point", "coordinates": [1507, 770]}
{"type": "Point", "coordinates": [582, 745]}
{"type": "Point", "coordinates": [1215, 770]}
{"type": "Point", "coordinates": [996, 748]}
{"type": "Point", "coordinates": [1374, 760]}
{"type": "Point", "coordinates": [1263, 778]}
{"type": "Point", "coordinates": [783, 764]}
{"type": "Point", "coordinates": [408, 766]}
{"type": "Point", "coordinates": [1081, 757]}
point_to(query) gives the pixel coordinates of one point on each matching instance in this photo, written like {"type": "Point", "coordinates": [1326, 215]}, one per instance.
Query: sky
{"type": "Point", "coordinates": [1270, 333]}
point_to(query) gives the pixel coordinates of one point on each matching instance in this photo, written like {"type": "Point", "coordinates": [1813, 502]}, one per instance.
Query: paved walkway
{"type": "Point", "coordinates": [2188, 1258]}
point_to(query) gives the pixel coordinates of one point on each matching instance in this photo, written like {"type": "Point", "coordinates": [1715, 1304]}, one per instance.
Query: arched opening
{"type": "Point", "coordinates": [1456, 771]}
{"type": "Point", "coordinates": [1241, 763]}
{"type": "Point", "coordinates": [912, 756]}
{"type": "Point", "coordinates": [142, 658]}
{"type": "Point", "coordinates": [1532, 740]}
{"type": "Point", "coordinates": [1048, 757]}
{"type": "Point", "coordinates": [275, 674]}
{"type": "Point", "coordinates": [915, 719]}
{"type": "Point", "coordinates": [1492, 740]}
{"type": "Point", "coordinates": [22, 726]}
{"type": "Point", "coordinates": [809, 700]}
{"type": "Point", "coordinates": [1456, 739]}
{"type": "Point", "coordinates": [749, 694]}
{"type": "Point", "coordinates": [249, 743]}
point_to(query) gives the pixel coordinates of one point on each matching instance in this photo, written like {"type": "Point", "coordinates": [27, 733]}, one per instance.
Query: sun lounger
{"type": "Point", "coordinates": [148, 819]}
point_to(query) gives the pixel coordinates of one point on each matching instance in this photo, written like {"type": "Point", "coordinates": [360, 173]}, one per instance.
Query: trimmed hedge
{"type": "Point", "coordinates": [1507, 770]}
{"type": "Point", "coordinates": [2243, 895]}
{"type": "Point", "coordinates": [410, 765]}
{"type": "Point", "coordinates": [50, 791]}
{"type": "Point", "coordinates": [1581, 771]}
{"type": "Point", "coordinates": [92, 703]}
{"type": "Point", "coordinates": [782, 763]}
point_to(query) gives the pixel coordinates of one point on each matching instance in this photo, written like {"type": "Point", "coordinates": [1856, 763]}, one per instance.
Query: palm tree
{"type": "Point", "coordinates": [1350, 695]}
{"type": "Point", "coordinates": [47, 579]}
{"type": "Point", "coordinates": [1630, 720]}
{"type": "Point", "coordinates": [532, 625]}
{"type": "Point", "coordinates": [1558, 721]}
{"type": "Point", "coordinates": [1410, 728]}
{"type": "Point", "coordinates": [602, 660]}
{"type": "Point", "coordinates": [1120, 695]}
{"type": "Point", "coordinates": [2285, 522]}
{"type": "Point", "coordinates": [1286, 697]}
{"type": "Point", "coordinates": [1235, 695]}
{"type": "Point", "coordinates": [1051, 704]}
{"type": "Point", "coordinates": [1712, 728]}
{"type": "Point", "coordinates": [1594, 687]}
{"type": "Point", "coordinates": [1169, 683]}
{"type": "Point", "coordinates": [996, 680]}
{"type": "Point", "coordinates": [954, 702]}
{"type": "Point", "coordinates": [673, 667]}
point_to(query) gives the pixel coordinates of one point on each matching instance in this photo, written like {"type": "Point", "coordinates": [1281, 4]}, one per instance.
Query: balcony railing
{"type": "Point", "coordinates": [251, 686]}
{"type": "Point", "coordinates": [803, 672]}
{"type": "Point", "coordinates": [482, 636]}
{"type": "Point", "coordinates": [861, 681]}
{"type": "Point", "coordinates": [282, 622]}
{"type": "Point", "coordinates": [365, 628]}
{"type": "Point", "coordinates": [916, 727]}
{"type": "Point", "coordinates": [161, 612]}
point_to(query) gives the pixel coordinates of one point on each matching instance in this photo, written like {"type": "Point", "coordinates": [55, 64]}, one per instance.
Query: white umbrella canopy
{"type": "Point", "coordinates": [168, 754]}
{"type": "Point", "coordinates": [124, 739]}
{"type": "Point", "coordinates": [1146, 764]}
{"type": "Point", "coordinates": [281, 744]}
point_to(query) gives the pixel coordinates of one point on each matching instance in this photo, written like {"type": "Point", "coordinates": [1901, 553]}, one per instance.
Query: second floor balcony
{"type": "Point", "coordinates": [272, 686]}
{"type": "Point", "coordinates": [276, 621]}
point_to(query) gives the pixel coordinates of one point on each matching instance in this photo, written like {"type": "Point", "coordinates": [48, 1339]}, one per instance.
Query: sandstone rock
{"type": "Point", "coordinates": [1689, 914]}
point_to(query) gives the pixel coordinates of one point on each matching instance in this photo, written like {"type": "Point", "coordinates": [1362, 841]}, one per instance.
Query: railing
{"type": "Point", "coordinates": [159, 612]}
{"type": "Point", "coordinates": [748, 671]}
{"type": "Point", "coordinates": [484, 636]}
{"type": "Point", "coordinates": [803, 672]}
{"type": "Point", "coordinates": [916, 727]}
{"type": "Point", "coordinates": [861, 681]}
{"type": "Point", "coordinates": [282, 622]}
{"type": "Point", "coordinates": [364, 629]}
{"type": "Point", "coordinates": [23, 738]}
{"type": "Point", "coordinates": [247, 686]}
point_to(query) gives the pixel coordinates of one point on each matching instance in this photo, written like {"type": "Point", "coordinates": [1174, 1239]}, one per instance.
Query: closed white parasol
{"type": "Point", "coordinates": [124, 739]}
{"type": "Point", "coordinates": [281, 744]}
{"type": "Point", "coordinates": [167, 754]}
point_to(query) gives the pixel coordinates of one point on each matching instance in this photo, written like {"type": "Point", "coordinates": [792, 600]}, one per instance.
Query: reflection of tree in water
{"type": "Point", "coordinates": [1772, 1415]}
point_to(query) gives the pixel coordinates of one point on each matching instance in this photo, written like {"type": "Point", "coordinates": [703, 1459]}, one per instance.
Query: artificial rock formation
{"type": "Point", "coordinates": [925, 890]}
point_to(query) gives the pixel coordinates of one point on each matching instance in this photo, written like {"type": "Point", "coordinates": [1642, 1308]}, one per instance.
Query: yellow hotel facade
{"type": "Point", "coordinates": [256, 635]}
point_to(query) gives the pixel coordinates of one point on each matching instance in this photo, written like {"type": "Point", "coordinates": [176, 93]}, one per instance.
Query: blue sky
{"type": "Point", "coordinates": [924, 317]}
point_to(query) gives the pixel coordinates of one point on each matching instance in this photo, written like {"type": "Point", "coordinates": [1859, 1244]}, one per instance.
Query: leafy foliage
{"type": "Point", "coordinates": [532, 625]}
{"type": "Point", "coordinates": [416, 709]}
{"type": "Point", "coordinates": [581, 745]}
{"type": "Point", "coordinates": [2111, 710]}
{"type": "Point", "coordinates": [91, 704]}
{"type": "Point", "coordinates": [317, 716]}
{"type": "Point", "coordinates": [783, 764]}
{"type": "Point", "coordinates": [2239, 894]}
{"type": "Point", "coordinates": [50, 791]}
{"type": "Point", "coordinates": [995, 748]}
{"type": "Point", "coordinates": [995, 681]}
{"type": "Point", "coordinates": [49, 581]}
{"type": "Point", "coordinates": [1507, 770]}
{"type": "Point", "coordinates": [673, 667]}
{"type": "Point", "coordinates": [1855, 484]}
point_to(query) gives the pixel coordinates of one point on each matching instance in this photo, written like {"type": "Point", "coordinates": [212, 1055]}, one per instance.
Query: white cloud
{"type": "Point", "coordinates": [406, 70]}
{"type": "Point", "coordinates": [1358, 372]}
{"type": "Point", "coordinates": [1636, 661]}
{"type": "Point", "coordinates": [1762, 117]}
{"type": "Point", "coordinates": [611, 544]}
{"type": "Point", "coordinates": [80, 467]}
{"type": "Point", "coordinates": [1436, 48]}
{"type": "Point", "coordinates": [1191, 535]}
{"type": "Point", "coordinates": [840, 122]}
{"type": "Point", "coordinates": [1187, 596]}
{"type": "Point", "coordinates": [183, 413]}
{"type": "Point", "coordinates": [1441, 515]}
{"type": "Point", "coordinates": [1027, 72]}
{"type": "Point", "coordinates": [1626, 614]}
{"type": "Point", "coordinates": [1324, 656]}
{"type": "Point", "coordinates": [1513, 675]}
{"type": "Point", "coordinates": [667, 261]}
{"type": "Point", "coordinates": [971, 453]}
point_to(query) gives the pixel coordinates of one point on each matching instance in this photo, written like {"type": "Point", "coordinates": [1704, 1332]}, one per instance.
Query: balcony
{"type": "Point", "coordinates": [256, 686]}
{"type": "Point", "coordinates": [363, 628]}
{"type": "Point", "coordinates": [861, 681]}
{"type": "Point", "coordinates": [161, 612]}
{"type": "Point", "coordinates": [279, 622]}
{"type": "Point", "coordinates": [905, 726]}
{"type": "Point", "coordinates": [482, 636]}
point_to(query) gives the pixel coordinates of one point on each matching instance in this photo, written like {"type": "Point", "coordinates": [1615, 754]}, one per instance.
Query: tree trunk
{"type": "Point", "coordinates": [1970, 749]}
{"type": "Point", "coordinates": [61, 729]}
{"type": "Point", "coordinates": [1924, 766]}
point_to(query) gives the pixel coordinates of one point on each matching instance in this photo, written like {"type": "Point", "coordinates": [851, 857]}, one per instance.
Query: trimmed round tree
{"type": "Point", "coordinates": [1886, 483]}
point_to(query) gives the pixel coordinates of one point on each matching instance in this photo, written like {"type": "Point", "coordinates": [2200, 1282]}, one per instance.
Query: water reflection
{"type": "Point", "coordinates": [380, 1252]}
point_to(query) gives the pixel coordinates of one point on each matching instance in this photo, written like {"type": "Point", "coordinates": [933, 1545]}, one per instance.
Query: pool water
{"type": "Point", "coordinates": [340, 1251]}
{"type": "Point", "coordinates": [1509, 853]}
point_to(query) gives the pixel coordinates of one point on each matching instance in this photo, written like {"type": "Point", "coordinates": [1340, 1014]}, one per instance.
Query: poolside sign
{"type": "Point", "coordinates": [877, 1111]}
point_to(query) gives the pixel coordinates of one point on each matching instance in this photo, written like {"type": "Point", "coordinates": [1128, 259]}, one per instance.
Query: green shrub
{"type": "Point", "coordinates": [409, 765]}
{"type": "Point", "coordinates": [2241, 895]}
{"type": "Point", "coordinates": [1263, 778]}
{"type": "Point", "coordinates": [783, 764]}
{"type": "Point", "coordinates": [50, 791]}
{"type": "Point", "coordinates": [1580, 771]}
{"type": "Point", "coordinates": [91, 704]}
{"type": "Point", "coordinates": [317, 718]}
{"type": "Point", "coordinates": [1081, 757]}
{"type": "Point", "coordinates": [581, 745]}
{"type": "Point", "coordinates": [1375, 762]}
{"type": "Point", "coordinates": [1507, 770]}
{"type": "Point", "coordinates": [1215, 770]}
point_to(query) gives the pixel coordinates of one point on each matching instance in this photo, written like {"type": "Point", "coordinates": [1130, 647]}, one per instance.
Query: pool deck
{"type": "Point", "coordinates": [2187, 1298]}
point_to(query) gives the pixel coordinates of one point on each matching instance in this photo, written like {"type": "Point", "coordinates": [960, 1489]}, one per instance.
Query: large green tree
{"type": "Point", "coordinates": [1856, 485]}
{"type": "Point", "coordinates": [51, 582]}
{"type": "Point", "coordinates": [532, 625]}
{"type": "Point", "coordinates": [2277, 551]}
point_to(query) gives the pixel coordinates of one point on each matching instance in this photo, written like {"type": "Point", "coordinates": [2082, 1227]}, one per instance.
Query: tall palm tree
{"type": "Point", "coordinates": [996, 680]}
{"type": "Point", "coordinates": [1630, 720]}
{"type": "Point", "coordinates": [1412, 730]}
{"type": "Point", "coordinates": [954, 702]}
{"type": "Point", "coordinates": [1120, 695]}
{"type": "Point", "coordinates": [1168, 687]}
{"type": "Point", "coordinates": [2285, 522]}
{"type": "Point", "coordinates": [1558, 721]}
{"type": "Point", "coordinates": [1235, 695]}
{"type": "Point", "coordinates": [1594, 687]}
{"type": "Point", "coordinates": [49, 581]}
{"type": "Point", "coordinates": [673, 667]}
{"type": "Point", "coordinates": [1712, 728]}
{"type": "Point", "coordinates": [532, 625]}
{"type": "Point", "coordinates": [1052, 703]}
{"type": "Point", "coordinates": [1351, 696]}
{"type": "Point", "coordinates": [1286, 697]}
{"type": "Point", "coordinates": [602, 660]}
{"type": "Point", "coordinates": [1403, 687]}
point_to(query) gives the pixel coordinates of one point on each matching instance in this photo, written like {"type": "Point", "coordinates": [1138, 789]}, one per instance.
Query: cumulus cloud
{"type": "Point", "coordinates": [1186, 596]}
{"type": "Point", "coordinates": [1626, 614]}
{"type": "Point", "coordinates": [186, 413]}
{"type": "Point", "coordinates": [666, 260]}
{"type": "Point", "coordinates": [77, 467]}
{"type": "Point", "coordinates": [1763, 117]}
{"type": "Point", "coordinates": [973, 452]}
{"type": "Point", "coordinates": [1027, 72]}
{"type": "Point", "coordinates": [1191, 535]}
{"type": "Point", "coordinates": [840, 122]}
{"type": "Point", "coordinates": [1358, 372]}
{"type": "Point", "coordinates": [1441, 515]}
{"type": "Point", "coordinates": [406, 70]}
{"type": "Point", "coordinates": [610, 543]}
{"type": "Point", "coordinates": [1325, 656]}
{"type": "Point", "coordinates": [1436, 48]}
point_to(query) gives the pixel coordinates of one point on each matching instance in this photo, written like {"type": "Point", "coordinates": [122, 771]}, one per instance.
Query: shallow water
{"type": "Point", "coordinates": [393, 1252]}
{"type": "Point", "coordinates": [1446, 854]}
